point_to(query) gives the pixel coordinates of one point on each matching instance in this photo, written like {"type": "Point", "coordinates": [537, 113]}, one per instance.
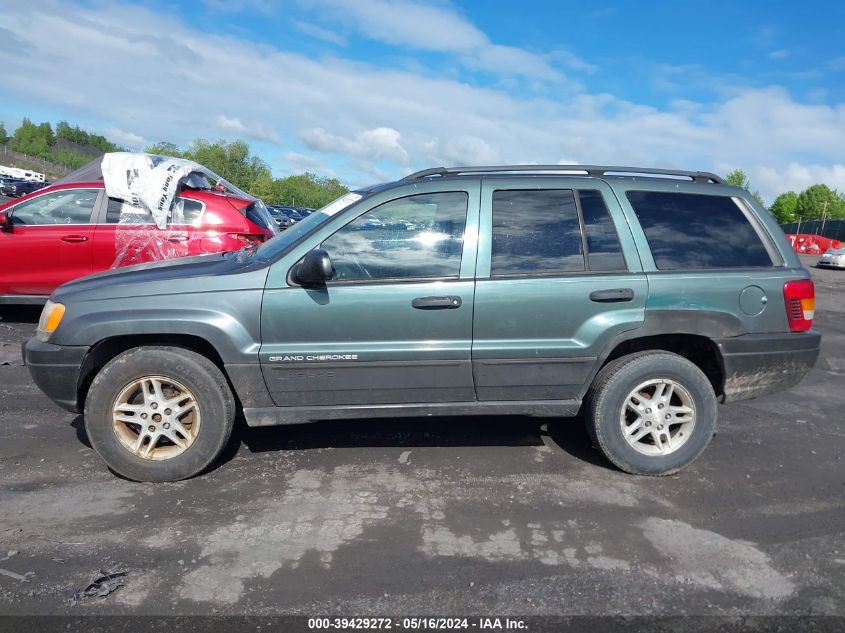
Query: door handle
{"type": "Point", "coordinates": [613, 295]}
{"type": "Point", "coordinates": [177, 238]}
{"type": "Point", "coordinates": [436, 303]}
{"type": "Point", "coordinates": [74, 238]}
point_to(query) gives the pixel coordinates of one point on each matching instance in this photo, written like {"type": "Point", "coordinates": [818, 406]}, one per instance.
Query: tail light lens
{"type": "Point", "coordinates": [246, 238]}
{"type": "Point", "coordinates": [800, 300]}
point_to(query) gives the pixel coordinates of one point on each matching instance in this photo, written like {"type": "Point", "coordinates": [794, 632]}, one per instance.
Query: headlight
{"type": "Point", "coordinates": [51, 316]}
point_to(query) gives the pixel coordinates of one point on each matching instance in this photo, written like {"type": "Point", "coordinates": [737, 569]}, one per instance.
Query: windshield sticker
{"type": "Point", "coordinates": [341, 203]}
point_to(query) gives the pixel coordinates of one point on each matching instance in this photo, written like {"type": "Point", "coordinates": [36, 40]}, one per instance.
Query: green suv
{"type": "Point", "coordinates": [639, 297]}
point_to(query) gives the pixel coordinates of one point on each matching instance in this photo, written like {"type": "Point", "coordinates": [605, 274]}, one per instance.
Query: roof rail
{"type": "Point", "coordinates": [589, 170]}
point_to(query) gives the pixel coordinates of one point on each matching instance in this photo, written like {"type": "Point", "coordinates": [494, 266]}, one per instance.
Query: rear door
{"type": "Point", "coordinates": [127, 235]}
{"type": "Point", "coordinates": [394, 326]}
{"type": "Point", "coordinates": [49, 243]}
{"type": "Point", "coordinates": [557, 278]}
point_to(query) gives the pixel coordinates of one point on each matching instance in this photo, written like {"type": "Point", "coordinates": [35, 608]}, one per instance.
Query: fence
{"type": "Point", "coordinates": [9, 155]}
{"type": "Point", "coordinates": [834, 229]}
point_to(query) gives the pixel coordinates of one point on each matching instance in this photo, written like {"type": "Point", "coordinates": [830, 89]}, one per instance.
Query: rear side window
{"type": "Point", "coordinates": [117, 212]}
{"type": "Point", "coordinates": [603, 250]}
{"type": "Point", "coordinates": [535, 232]}
{"type": "Point", "coordinates": [693, 231]}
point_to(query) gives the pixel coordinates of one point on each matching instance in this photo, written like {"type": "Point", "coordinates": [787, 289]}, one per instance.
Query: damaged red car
{"type": "Point", "coordinates": [72, 228]}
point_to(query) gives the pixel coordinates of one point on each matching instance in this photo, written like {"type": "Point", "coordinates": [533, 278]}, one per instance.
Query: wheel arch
{"type": "Point", "coordinates": [109, 348]}
{"type": "Point", "coordinates": [699, 349]}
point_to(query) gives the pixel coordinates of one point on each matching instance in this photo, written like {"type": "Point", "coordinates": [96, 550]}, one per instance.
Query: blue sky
{"type": "Point", "coordinates": [368, 90]}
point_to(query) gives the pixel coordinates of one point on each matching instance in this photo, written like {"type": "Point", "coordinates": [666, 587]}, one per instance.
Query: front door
{"type": "Point", "coordinates": [49, 243]}
{"type": "Point", "coordinates": [394, 325]}
{"type": "Point", "coordinates": [558, 278]}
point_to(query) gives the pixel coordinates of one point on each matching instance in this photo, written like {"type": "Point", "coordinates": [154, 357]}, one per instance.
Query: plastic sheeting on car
{"type": "Point", "coordinates": [152, 223]}
{"type": "Point", "coordinates": [147, 181]}
{"type": "Point", "coordinates": [138, 240]}
{"type": "Point", "coordinates": [806, 244]}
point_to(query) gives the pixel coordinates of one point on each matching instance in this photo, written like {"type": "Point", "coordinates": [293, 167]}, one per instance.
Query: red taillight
{"type": "Point", "coordinates": [800, 300]}
{"type": "Point", "coordinates": [246, 238]}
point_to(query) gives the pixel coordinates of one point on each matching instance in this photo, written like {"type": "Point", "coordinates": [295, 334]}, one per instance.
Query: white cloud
{"type": "Point", "coordinates": [189, 84]}
{"type": "Point", "coordinates": [428, 27]}
{"type": "Point", "coordinates": [121, 137]}
{"type": "Point", "coordinates": [301, 163]}
{"type": "Point", "coordinates": [257, 131]}
{"type": "Point", "coordinates": [409, 23]}
{"type": "Point", "coordinates": [779, 54]}
{"type": "Point", "coordinates": [378, 143]}
{"type": "Point", "coordinates": [320, 33]}
{"type": "Point", "coordinates": [797, 177]}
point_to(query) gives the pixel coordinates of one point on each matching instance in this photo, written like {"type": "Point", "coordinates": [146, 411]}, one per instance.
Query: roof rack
{"type": "Point", "coordinates": [589, 170]}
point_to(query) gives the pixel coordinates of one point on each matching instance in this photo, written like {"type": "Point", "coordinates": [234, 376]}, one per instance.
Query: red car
{"type": "Point", "coordinates": [69, 230]}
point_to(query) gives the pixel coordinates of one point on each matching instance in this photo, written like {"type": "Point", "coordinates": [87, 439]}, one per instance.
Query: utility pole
{"type": "Point", "coordinates": [824, 217]}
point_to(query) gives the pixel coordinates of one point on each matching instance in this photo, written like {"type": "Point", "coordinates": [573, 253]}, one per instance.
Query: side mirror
{"type": "Point", "coordinates": [5, 221]}
{"type": "Point", "coordinates": [314, 269]}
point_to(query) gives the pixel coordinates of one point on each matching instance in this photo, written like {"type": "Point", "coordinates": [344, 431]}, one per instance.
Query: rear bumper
{"type": "Point", "coordinates": [757, 364]}
{"type": "Point", "coordinates": [55, 370]}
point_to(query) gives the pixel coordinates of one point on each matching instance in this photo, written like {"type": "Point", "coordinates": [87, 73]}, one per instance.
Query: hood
{"type": "Point", "coordinates": [180, 276]}
{"type": "Point", "coordinates": [835, 251]}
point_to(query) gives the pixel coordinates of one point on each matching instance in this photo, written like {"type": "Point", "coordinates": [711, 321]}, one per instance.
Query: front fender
{"type": "Point", "coordinates": [230, 322]}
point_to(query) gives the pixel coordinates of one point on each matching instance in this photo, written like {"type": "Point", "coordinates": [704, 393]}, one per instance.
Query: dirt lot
{"type": "Point", "coordinates": [505, 516]}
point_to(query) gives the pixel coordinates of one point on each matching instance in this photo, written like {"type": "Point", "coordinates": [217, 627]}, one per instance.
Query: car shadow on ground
{"type": "Point", "coordinates": [20, 313]}
{"type": "Point", "coordinates": [566, 434]}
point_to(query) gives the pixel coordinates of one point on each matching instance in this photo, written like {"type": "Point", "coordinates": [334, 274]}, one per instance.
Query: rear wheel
{"type": "Point", "coordinates": [159, 413]}
{"type": "Point", "coordinates": [651, 413]}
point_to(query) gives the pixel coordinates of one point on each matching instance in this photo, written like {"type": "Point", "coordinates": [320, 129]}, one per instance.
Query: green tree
{"type": "Point", "coordinates": [32, 139]}
{"type": "Point", "coordinates": [820, 200]}
{"type": "Point", "coordinates": [231, 160]}
{"type": "Point", "coordinates": [234, 162]}
{"type": "Point", "coordinates": [164, 148]}
{"type": "Point", "coordinates": [784, 207]}
{"type": "Point", "coordinates": [4, 135]}
{"type": "Point", "coordinates": [738, 178]}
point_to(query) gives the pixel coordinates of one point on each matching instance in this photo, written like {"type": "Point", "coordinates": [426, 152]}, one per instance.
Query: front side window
{"type": "Point", "coordinates": [417, 236]}
{"type": "Point", "coordinates": [694, 231]}
{"type": "Point", "coordinates": [71, 206]}
{"type": "Point", "coordinates": [535, 232]}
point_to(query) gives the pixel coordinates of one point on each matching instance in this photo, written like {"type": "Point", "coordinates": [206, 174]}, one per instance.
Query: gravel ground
{"type": "Point", "coordinates": [469, 515]}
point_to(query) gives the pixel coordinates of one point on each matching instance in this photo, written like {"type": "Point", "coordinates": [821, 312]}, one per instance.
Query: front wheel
{"type": "Point", "coordinates": [651, 413]}
{"type": "Point", "coordinates": [159, 413]}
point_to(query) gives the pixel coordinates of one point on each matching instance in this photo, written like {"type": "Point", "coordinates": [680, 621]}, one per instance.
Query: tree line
{"type": "Point", "coordinates": [72, 146]}
{"type": "Point", "coordinates": [816, 202]}
{"type": "Point", "coordinates": [233, 161]}
{"type": "Point", "coordinates": [68, 145]}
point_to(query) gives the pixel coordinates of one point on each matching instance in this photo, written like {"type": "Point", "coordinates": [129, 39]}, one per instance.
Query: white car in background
{"type": "Point", "coordinates": [832, 258]}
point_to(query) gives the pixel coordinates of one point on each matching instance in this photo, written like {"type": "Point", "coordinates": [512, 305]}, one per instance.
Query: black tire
{"type": "Point", "coordinates": [611, 388]}
{"type": "Point", "coordinates": [198, 374]}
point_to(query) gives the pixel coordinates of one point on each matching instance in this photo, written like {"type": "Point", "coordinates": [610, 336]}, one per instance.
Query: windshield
{"type": "Point", "coordinates": [273, 247]}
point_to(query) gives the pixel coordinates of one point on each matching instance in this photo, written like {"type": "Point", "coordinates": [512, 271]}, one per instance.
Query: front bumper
{"type": "Point", "coordinates": [757, 364]}
{"type": "Point", "coordinates": [55, 370]}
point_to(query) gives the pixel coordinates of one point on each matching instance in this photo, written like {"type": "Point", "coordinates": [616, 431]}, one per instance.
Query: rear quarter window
{"type": "Point", "coordinates": [697, 231]}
